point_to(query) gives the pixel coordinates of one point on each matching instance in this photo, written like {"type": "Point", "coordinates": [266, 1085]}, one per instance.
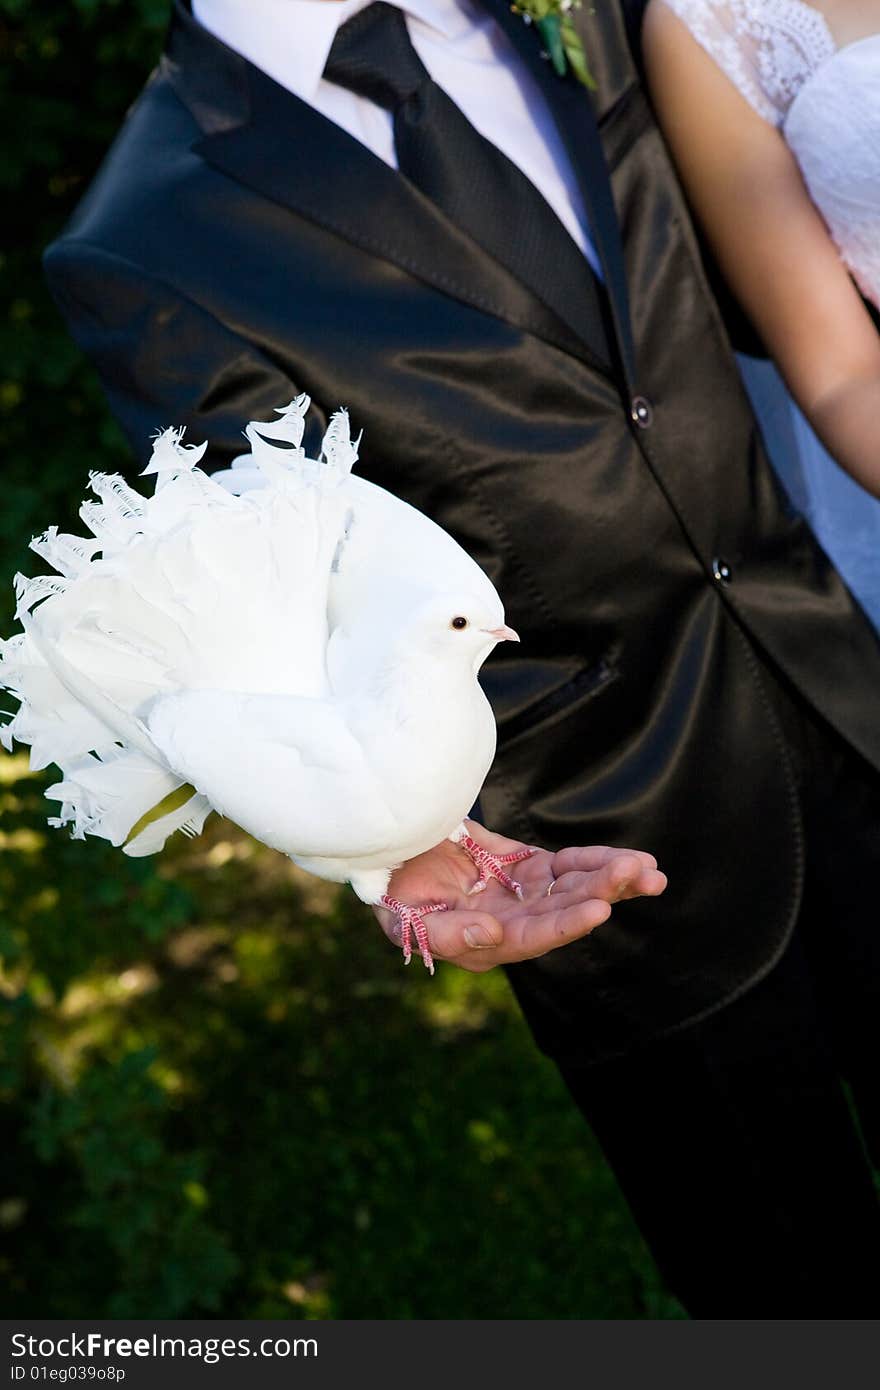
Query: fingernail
{"type": "Point", "coordinates": [479, 937]}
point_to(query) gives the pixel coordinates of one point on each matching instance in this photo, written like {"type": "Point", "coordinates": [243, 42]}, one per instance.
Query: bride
{"type": "Point", "coordinates": [771, 109]}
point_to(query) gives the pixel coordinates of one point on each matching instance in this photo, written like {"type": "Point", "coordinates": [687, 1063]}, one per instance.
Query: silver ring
{"type": "Point", "coordinates": [550, 887]}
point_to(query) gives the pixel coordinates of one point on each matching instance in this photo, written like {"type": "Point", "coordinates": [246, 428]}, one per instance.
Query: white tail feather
{"type": "Point", "coordinates": [193, 587]}
{"type": "Point", "coordinates": [69, 555]}
{"type": "Point", "coordinates": [289, 429]}
{"type": "Point", "coordinates": [170, 456]}
{"type": "Point", "coordinates": [108, 796]}
{"type": "Point", "coordinates": [109, 524]}
{"type": "Point", "coordinates": [338, 448]}
{"type": "Point", "coordinates": [189, 819]}
{"type": "Point", "coordinates": [29, 592]}
{"type": "Point", "coordinates": [123, 725]}
{"type": "Point", "coordinates": [115, 490]}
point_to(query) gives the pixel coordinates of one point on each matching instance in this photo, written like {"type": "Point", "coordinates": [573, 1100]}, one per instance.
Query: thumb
{"type": "Point", "coordinates": [462, 930]}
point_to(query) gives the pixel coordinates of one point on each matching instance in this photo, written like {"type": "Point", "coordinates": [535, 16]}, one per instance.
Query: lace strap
{"type": "Point", "coordinates": [768, 48]}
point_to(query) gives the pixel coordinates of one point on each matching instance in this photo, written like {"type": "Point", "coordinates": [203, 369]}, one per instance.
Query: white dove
{"type": "Point", "coordinates": [300, 656]}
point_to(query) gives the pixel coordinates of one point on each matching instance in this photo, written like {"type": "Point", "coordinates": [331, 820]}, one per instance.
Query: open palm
{"type": "Point", "coordinates": [495, 927]}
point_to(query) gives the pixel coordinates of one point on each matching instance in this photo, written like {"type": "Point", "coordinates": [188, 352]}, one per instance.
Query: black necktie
{"type": "Point", "coordinates": [469, 179]}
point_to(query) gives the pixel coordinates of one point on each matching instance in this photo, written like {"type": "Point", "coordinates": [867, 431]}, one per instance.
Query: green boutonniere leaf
{"type": "Point", "coordinates": [553, 20]}
{"type": "Point", "coordinates": [550, 29]}
{"type": "Point", "coordinates": [574, 52]}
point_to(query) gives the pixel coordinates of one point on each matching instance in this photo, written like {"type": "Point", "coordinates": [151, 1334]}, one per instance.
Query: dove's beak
{"type": "Point", "coordinates": [503, 634]}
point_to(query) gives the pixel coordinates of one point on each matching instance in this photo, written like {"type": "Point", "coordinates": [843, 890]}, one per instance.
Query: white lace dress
{"type": "Point", "coordinates": [825, 100]}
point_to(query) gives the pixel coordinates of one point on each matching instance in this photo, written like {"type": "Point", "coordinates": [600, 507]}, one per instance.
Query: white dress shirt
{"type": "Point", "coordinates": [467, 54]}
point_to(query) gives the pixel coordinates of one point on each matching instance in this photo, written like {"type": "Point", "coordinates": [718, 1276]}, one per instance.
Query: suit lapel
{"type": "Point", "coordinates": [268, 139]}
{"type": "Point", "coordinates": [572, 110]}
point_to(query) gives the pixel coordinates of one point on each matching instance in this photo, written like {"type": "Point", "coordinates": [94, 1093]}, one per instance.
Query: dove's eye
{"type": "Point", "coordinates": [459, 623]}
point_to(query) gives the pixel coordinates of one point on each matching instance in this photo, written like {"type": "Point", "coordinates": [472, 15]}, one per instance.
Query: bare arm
{"type": "Point", "coordinates": [770, 241]}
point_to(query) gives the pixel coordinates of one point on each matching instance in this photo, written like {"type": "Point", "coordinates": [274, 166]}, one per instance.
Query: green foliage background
{"type": "Point", "coordinates": [221, 1092]}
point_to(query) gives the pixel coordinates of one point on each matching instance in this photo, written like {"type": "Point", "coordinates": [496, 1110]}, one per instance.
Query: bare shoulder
{"type": "Point", "coordinates": [662, 29]}
{"type": "Point", "coordinates": [698, 104]}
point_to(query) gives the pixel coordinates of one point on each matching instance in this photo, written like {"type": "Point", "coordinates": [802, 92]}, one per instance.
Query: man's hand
{"type": "Point", "coordinates": [496, 927]}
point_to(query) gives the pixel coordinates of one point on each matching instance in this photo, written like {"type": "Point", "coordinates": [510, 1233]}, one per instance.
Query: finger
{"type": "Point", "coordinates": [462, 932]}
{"type": "Point", "coordinates": [611, 882]}
{"type": "Point", "coordinates": [545, 932]}
{"type": "Point", "coordinates": [536, 934]}
{"type": "Point", "coordinates": [587, 858]}
{"type": "Point", "coordinates": [618, 881]}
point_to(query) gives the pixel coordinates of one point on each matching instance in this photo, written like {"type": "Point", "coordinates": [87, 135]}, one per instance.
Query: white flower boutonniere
{"type": "Point", "coordinates": [553, 20]}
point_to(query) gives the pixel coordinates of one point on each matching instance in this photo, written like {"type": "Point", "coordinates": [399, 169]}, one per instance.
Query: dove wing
{"type": "Point", "coordinates": [288, 770]}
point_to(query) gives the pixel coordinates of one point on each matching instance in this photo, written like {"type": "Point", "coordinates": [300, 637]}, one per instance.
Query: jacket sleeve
{"type": "Point", "coordinates": [162, 359]}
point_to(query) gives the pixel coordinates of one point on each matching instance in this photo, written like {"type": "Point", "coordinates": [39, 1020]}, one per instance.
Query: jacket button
{"type": "Point", "coordinates": [641, 412]}
{"type": "Point", "coordinates": [721, 570]}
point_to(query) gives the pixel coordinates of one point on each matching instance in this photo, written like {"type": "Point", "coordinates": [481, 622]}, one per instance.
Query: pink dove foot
{"type": "Point", "coordinates": [490, 865]}
{"type": "Point", "coordinates": [412, 925]}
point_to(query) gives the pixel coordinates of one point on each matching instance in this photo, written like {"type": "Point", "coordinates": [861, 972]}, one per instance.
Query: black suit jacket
{"type": "Point", "coordinates": [237, 247]}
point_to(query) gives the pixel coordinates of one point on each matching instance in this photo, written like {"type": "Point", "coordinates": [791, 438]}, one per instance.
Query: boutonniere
{"type": "Point", "coordinates": [553, 20]}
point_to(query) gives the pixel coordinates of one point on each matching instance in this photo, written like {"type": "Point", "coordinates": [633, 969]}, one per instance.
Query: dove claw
{"type": "Point", "coordinates": [491, 866]}
{"type": "Point", "coordinates": [412, 924]}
